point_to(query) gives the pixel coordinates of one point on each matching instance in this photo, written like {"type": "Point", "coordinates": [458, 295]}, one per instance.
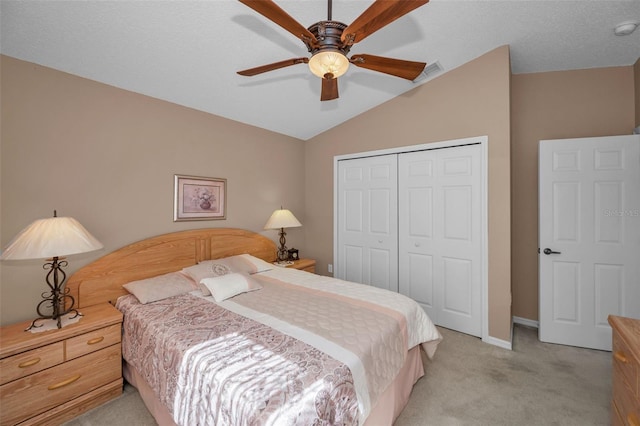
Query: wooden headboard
{"type": "Point", "coordinates": [101, 281]}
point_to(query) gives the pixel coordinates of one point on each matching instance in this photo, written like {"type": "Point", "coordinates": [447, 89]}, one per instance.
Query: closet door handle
{"type": "Point", "coordinates": [548, 251]}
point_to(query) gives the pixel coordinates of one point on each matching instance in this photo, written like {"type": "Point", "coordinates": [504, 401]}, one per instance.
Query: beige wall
{"type": "Point", "coordinates": [555, 105]}
{"type": "Point", "coordinates": [107, 157]}
{"type": "Point", "coordinates": [112, 154]}
{"type": "Point", "coordinates": [472, 100]}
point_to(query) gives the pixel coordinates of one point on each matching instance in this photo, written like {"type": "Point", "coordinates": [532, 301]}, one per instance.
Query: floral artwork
{"type": "Point", "coordinates": [199, 198]}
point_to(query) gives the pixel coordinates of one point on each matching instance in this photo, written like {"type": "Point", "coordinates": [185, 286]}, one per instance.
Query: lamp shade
{"type": "Point", "coordinates": [45, 238]}
{"type": "Point", "coordinates": [282, 218]}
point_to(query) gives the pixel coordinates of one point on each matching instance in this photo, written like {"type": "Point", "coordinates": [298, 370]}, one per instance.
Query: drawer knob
{"type": "Point", "coordinates": [64, 383]}
{"type": "Point", "coordinates": [96, 340]}
{"type": "Point", "coordinates": [620, 356]}
{"type": "Point", "coordinates": [632, 419]}
{"type": "Point", "coordinates": [29, 363]}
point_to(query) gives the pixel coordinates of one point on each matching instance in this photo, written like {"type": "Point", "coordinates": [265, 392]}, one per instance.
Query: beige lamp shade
{"type": "Point", "coordinates": [282, 218]}
{"type": "Point", "coordinates": [47, 238]}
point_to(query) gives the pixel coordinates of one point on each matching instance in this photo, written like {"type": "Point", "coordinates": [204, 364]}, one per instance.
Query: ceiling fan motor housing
{"type": "Point", "coordinates": [328, 34]}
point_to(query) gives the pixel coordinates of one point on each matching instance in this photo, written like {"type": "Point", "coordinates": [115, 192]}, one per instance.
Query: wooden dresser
{"type": "Point", "coordinates": [625, 405]}
{"type": "Point", "coordinates": [52, 376]}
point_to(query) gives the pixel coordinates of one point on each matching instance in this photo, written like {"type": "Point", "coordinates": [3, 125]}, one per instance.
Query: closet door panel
{"type": "Point", "coordinates": [417, 253]}
{"type": "Point", "coordinates": [367, 221]}
{"type": "Point", "coordinates": [380, 261]}
{"type": "Point", "coordinates": [353, 211]}
{"type": "Point", "coordinates": [457, 205]}
{"type": "Point", "coordinates": [439, 204]}
{"type": "Point", "coordinates": [457, 289]}
{"type": "Point", "coordinates": [352, 259]}
{"type": "Point", "coordinates": [419, 281]}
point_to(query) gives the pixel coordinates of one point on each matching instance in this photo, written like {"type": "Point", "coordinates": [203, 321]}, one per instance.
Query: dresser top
{"type": "Point", "coordinates": [14, 339]}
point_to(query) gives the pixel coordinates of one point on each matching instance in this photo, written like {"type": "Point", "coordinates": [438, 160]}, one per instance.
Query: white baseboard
{"type": "Point", "coordinates": [527, 322]}
{"type": "Point", "coordinates": [497, 342]}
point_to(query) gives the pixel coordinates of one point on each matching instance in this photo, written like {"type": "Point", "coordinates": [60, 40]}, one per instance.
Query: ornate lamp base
{"type": "Point", "coordinates": [283, 253]}
{"type": "Point", "coordinates": [57, 297]}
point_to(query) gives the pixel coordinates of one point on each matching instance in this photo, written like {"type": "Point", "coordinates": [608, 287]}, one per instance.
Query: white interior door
{"type": "Point", "coordinates": [367, 221]}
{"type": "Point", "coordinates": [589, 237]}
{"type": "Point", "coordinates": [440, 234]}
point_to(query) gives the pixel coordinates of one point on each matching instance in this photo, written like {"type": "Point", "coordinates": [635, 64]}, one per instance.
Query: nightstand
{"type": "Point", "coordinates": [53, 376]}
{"type": "Point", "coordinates": [308, 265]}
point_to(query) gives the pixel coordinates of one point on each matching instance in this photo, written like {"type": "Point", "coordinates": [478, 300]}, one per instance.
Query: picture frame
{"type": "Point", "coordinates": [199, 198]}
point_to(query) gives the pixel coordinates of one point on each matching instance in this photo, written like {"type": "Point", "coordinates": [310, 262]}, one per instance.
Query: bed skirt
{"type": "Point", "coordinates": [386, 410]}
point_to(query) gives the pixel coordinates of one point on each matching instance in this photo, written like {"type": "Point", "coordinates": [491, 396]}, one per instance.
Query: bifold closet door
{"type": "Point", "coordinates": [367, 221]}
{"type": "Point", "coordinates": [440, 234]}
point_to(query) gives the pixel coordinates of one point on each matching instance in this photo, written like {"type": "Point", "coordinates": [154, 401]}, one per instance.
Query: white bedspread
{"type": "Point", "coordinates": [349, 321]}
{"type": "Point", "coordinates": [421, 329]}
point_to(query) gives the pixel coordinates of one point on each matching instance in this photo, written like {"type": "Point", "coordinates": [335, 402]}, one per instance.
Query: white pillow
{"type": "Point", "coordinates": [160, 287]}
{"type": "Point", "coordinates": [243, 263]}
{"type": "Point", "coordinates": [226, 286]}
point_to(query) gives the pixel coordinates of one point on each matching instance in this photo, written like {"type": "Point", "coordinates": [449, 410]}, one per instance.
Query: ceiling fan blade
{"type": "Point", "coordinates": [273, 12]}
{"type": "Point", "coordinates": [270, 67]}
{"type": "Point", "coordinates": [398, 67]}
{"type": "Point", "coordinates": [329, 89]}
{"type": "Point", "coordinates": [378, 15]}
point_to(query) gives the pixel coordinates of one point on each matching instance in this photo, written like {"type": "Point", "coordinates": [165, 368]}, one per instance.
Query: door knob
{"type": "Point", "coordinates": [548, 251]}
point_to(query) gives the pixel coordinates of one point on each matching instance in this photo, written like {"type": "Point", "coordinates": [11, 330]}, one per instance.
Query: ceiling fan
{"type": "Point", "coordinates": [329, 42]}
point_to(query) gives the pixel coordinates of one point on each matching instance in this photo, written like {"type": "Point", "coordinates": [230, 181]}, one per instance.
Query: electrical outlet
{"type": "Point", "coordinates": [330, 268]}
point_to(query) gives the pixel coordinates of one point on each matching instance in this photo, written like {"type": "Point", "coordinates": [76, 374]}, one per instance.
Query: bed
{"type": "Point", "coordinates": [214, 333]}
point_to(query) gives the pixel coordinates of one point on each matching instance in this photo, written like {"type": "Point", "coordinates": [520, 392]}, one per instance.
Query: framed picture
{"type": "Point", "coordinates": [199, 198]}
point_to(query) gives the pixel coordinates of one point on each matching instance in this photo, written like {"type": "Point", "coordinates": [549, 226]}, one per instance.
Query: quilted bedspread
{"type": "Point", "coordinates": [317, 352]}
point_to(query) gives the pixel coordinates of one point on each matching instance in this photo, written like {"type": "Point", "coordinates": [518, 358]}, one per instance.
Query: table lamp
{"type": "Point", "coordinates": [281, 219]}
{"type": "Point", "coordinates": [51, 239]}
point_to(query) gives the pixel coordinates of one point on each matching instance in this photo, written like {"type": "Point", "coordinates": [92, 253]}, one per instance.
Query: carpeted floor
{"type": "Point", "coordinates": [472, 383]}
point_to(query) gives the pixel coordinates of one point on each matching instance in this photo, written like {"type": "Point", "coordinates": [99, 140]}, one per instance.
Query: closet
{"type": "Point", "coordinates": [413, 220]}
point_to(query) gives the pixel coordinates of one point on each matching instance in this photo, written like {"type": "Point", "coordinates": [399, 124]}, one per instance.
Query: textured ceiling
{"type": "Point", "coordinates": [188, 52]}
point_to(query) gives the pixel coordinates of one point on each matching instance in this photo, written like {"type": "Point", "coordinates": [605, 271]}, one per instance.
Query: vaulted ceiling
{"type": "Point", "coordinates": [188, 52]}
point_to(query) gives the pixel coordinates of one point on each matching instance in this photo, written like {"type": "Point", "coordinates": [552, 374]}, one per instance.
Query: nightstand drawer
{"type": "Point", "coordinates": [624, 363]}
{"type": "Point", "coordinates": [624, 396]}
{"type": "Point", "coordinates": [20, 365]}
{"type": "Point", "coordinates": [49, 388]}
{"type": "Point", "coordinates": [93, 341]}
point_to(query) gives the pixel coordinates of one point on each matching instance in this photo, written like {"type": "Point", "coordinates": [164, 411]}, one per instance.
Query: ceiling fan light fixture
{"type": "Point", "coordinates": [329, 62]}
